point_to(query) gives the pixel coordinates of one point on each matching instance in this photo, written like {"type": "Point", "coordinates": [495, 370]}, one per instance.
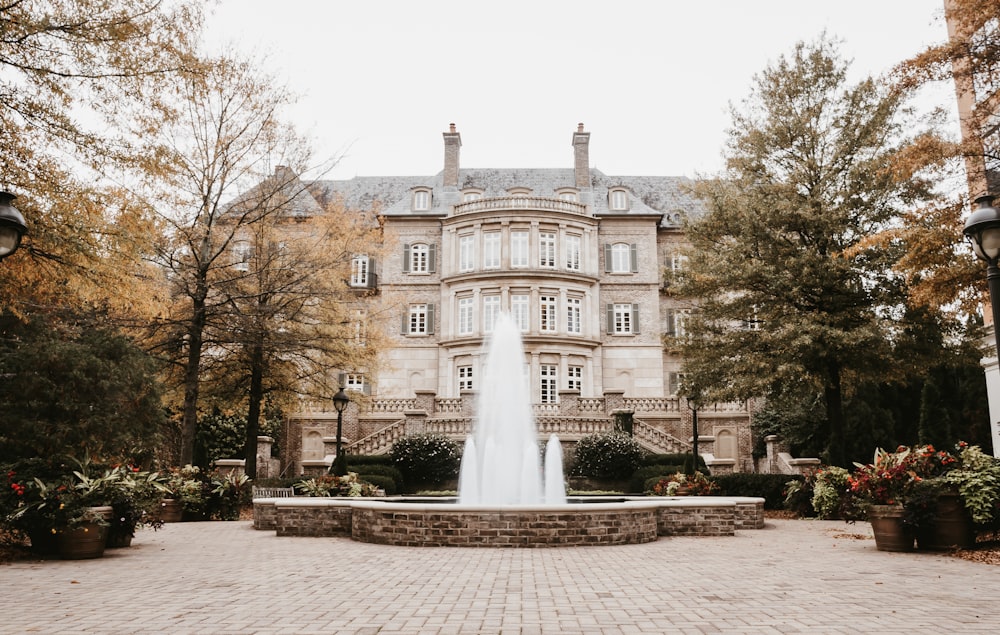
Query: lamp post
{"type": "Point", "coordinates": [983, 232]}
{"type": "Point", "coordinates": [340, 401]}
{"type": "Point", "coordinates": [12, 226]}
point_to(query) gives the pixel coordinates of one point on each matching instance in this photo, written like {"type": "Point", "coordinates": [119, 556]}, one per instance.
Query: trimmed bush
{"type": "Point", "coordinates": [674, 458]}
{"type": "Point", "coordinates": [770, 487]}
{"type": "Point", "coordinates": [611, 455]}
{"type": "Point", "coordinates": [637, 483]}
{"type": "Point", "coordinates": [426, 458]}
{"type": "Point", "coordinates": [368, 459]}
{"type": "Point", "coordinates": [383, 482]}
{"type": "Point", "coordinates": [376, 469]}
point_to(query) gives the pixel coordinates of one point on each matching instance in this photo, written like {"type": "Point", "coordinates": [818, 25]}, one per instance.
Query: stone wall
{"type": "Point", "coordinates": [698, 519]}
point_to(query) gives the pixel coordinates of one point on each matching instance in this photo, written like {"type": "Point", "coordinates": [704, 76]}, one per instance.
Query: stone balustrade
{"type": "Point", "coordinates": [520, 204]}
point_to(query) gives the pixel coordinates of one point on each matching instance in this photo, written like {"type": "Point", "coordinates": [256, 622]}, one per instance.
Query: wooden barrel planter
{"type": "Point", "coordinates": [887, 526]}
{"type": "Point", "coordinates": [951, 527]}
{"type": "Point", "coordinates": [171, 510]}
{"type": "Point", "coordinates": [86, 540]}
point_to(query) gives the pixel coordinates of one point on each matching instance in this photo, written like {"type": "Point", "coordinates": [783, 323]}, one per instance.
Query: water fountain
{"type": "Point", "coordinates": [501, 463]}
{"type": "Point", "coordinates": [503, 499]}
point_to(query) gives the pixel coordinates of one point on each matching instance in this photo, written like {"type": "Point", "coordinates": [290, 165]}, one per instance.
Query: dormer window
{"type": "Point", "coordinates": [568, 195]}
{"type": "Point", "coordinates": [471, 195]}
{"type": "Point", "coordinates": [421, 200]}
{"type": "Point", "coordinates": [519, 191]}
{"type": "Point", "coordinates": [618, 200]}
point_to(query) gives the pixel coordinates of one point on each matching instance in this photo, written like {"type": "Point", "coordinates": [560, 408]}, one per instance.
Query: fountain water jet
{"type": "Point", "coordinates": [501, 464]}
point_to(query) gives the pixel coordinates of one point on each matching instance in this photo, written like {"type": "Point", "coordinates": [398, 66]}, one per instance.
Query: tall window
{"type": "Point", "coordinates": [418, 258]}
{"type": "Point", "coordinates": [241, 255]}
{"type": "Point", "coordinates": [491, 310]}
{"type": "Point", "coordinates": [464, 378]}
{"type": "Point", "coordinates": [621, 258]}
{"type": "Point", "coordinates": [491, 250]}
{"type": "Point", "coordinates": [573, 313]}
{"type": "Point", "coordinates": [465, 316]}
{"type": "Point", "coordinates": [518, 248]}
{"type": "Point", "coordinates": [573, 249]}
{"type": "Point", "coordinates": [677, 322]}
{"type": "Point", "coordinates": [546, 249]}
{"type": "Point", "coordinates": [547, 304]}
{"type": "Point", "coordinates": [623, 319]}
{"type": "Point", "coordinates": [548, 384]}
{"type": "Point", "coordinates": [519, 311]}
{"type": "Point", "coordinates": [421, 319]}
{"type": "Point", "coordinates": [359, 271]}
{"type": "Point", "coordinates": [574, 378]}
{"type": "Point", "coordinates": [466, 252]}
{"type": "Point", "coordinates": [360, 327]}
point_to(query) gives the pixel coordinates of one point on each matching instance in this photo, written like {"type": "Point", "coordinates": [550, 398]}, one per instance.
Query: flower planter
{"type": "Point", "coordinates": [952, 527]}
{"type": "Point", "coordinates": [171, 510]}
{"type": "Point", "coordinates": [86, 540]}
{"type": "Point", "coordinates": [887, 526]}
{"type": "Point", "coordinates": [43, 542]}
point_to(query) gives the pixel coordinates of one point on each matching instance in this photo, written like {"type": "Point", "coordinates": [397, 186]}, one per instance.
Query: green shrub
{"type": "Point", "coordinates": [637, 483]}
{"type": "Point", "coordinates": [386, 483]}
{"type": "Point", "coordinates": [368, 459]}
{"type": "Point", "coordinates": [388, 471]}
{"type": "Point", "coordinates": [426, 458]}
{"type": "Point", "coordinates": [830, 492]}
{"type": "Point", "coordinates": [770, 487]}
{"type": "Point", "coordinates": [674, 458]}
{"type": "Point", "coordinates": [612, 455]}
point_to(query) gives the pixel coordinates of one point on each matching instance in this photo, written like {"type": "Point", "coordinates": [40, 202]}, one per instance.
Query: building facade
{"type": "Point", "coordinates": [576, 257]}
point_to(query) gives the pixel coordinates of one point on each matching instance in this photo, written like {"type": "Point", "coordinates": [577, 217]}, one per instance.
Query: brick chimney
{"type": "Point", "coordinates": [581, 158]}
{"type": "Point", "coordinates": [452, 145]}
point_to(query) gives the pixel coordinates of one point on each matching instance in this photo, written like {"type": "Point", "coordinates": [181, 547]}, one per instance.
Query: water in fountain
{"type": "Point", "coordinates": [501, 463]}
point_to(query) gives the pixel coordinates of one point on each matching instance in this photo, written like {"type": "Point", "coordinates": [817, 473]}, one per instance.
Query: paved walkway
{"type": "Point", "coordinates": [791, 577]}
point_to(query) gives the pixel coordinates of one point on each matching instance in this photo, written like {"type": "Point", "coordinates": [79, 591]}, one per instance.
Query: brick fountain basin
{"type": "Point", "coordinates": [418, 523]}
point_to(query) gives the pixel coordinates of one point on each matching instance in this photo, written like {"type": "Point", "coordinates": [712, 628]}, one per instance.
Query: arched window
{"type": "Point", "coordinates": [618, 200]}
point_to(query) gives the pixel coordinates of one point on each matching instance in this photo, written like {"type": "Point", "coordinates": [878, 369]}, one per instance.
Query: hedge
{"type": "Point", "coordinates": [378, 480]}
{"type": "Point", "coordinates": [674, 458]}
{"type": "Point", "coordinates": [637, 483]}
{"type": "Point", "coordinates": [770, 487]}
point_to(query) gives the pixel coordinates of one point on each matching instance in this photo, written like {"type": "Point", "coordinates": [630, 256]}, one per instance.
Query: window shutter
{"type": "Point", "coordinates": [372, 278]}
{"type": "Point", "coordinates": [671, 329]}
{"type": "Point", "coordinates": [430, 319]}
{"type": "Point", "coordinates": [406, 321]}
{"type": "Point", "coordinates": [607, 258]}
{"type": "Point", "coordinates": [611, 319]}
{"type": "Point", "coordinates": [432, 259]}
{"type": "Point", "coordinates": [406, 258]}
{"type": "Point", "coordinates": [366, 388]}
{"type": "Point", "coordinates": [635, 319]}
{"type": "Point", "coordinates": [672, 383]}
{"type": "Point", "coordinates": [634, 250]}
{"type": "Point", "coordinates": [341, 379]}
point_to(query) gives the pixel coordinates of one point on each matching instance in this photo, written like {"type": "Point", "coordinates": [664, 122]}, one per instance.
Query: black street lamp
{"type": "Point", "coordinates": [340, 401]}
{"type": "Point", "coordinates": [12, 225]}
{"type": "Point", "coordinates": [983, 232]}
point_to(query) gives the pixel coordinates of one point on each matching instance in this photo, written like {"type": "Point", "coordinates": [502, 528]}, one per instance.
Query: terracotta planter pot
{"type": "Point", "coordinates": [170, 510]}
{"type": "Point", "coordinates": [43, 542]}
{"type": "Point", "coordinates": [952, 527]}
{"type": "Point", "coordinates": [887, 526]}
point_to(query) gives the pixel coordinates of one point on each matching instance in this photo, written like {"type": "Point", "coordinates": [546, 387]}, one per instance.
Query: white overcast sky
{"type": "Point", "coordinates": [380, 80]}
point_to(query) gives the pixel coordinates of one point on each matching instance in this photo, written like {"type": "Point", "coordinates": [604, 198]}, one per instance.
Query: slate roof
{"type": "Point", "coordinates": [666, 195]}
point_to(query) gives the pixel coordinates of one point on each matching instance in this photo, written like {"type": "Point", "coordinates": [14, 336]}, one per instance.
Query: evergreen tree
{"type": "Point", "coordinates": [810, 174]}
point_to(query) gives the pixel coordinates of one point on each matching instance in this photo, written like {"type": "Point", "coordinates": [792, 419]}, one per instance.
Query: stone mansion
{"type": "Point", "coordinates": [575, 256]}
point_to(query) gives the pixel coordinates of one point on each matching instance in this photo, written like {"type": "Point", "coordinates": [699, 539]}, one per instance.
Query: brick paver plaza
{"type": "Point", "coordinates": [215, 577]}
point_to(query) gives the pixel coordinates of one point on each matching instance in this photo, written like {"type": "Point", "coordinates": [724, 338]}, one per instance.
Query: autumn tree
{"type": "Point", "coordinates": [70, 73]}
{"type": "Point", "coordinates": [290, 318]}
{"type": "Point", "coordinates": [218, 136]}
{"type": "Point", "coordinates": [789, 300]}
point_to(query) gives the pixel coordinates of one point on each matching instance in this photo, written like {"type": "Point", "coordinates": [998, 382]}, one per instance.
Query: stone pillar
{"type": "Point", "coordinates": [416, 422]}
{"type": "Point", "coordinates": [424, 400]}
{"type": "Point", "coordinates": [613, 400]}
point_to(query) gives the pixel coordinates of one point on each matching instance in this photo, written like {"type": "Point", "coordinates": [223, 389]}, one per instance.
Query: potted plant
{"type": "Point", "coordinates": [134, 498]}
{"type": "Point", "coordinates": [229, 494]}
{"type": "Point", "coordinates": [885, 487]}
{"type": "Point", "coordinates": [187, 489]}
